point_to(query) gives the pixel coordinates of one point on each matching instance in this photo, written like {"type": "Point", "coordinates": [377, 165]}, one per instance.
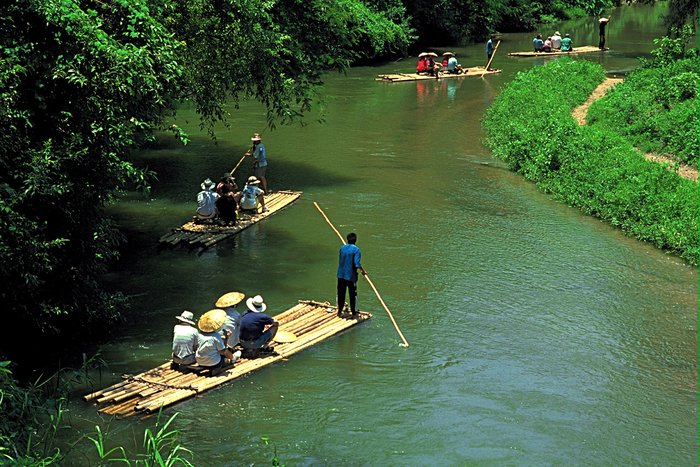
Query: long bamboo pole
{"type": "Point", "coordinates": [366, 276]}
{"type": "Point", "coordinates": [492, 55]}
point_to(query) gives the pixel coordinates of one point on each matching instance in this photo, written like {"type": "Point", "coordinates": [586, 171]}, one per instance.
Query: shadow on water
{"type": "Point", "coordinates": [181, 169]}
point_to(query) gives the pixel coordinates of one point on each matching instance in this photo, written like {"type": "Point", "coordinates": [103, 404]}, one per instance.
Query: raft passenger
{"type": "Point", "coordinates": [232, 327]}
{"type": "Point", "coordinates": [227, 205]}
{"type": "Point", "coordinates": [421, 67]}
{"type": "Point", "coordinates": [538, 43]}
{"type": "Point", "coordinates": [567, 45]}
{"type": "Point", "coordinates": [547, 46]}
{"type": "Point", "coordinates": [453, 65]}
{"type": "Point", "coordinates": [212, 353]}
{"type": "Point", "coordinates": [185, 340]}
{"type": "Point", "coordinates": [257, 328]}
{"type": "Point", "coordinates": [251, 195]}
{"type": "Point", "coordinates": [206, 201]}
{"type": "Point", "coordinates": [556, 41]}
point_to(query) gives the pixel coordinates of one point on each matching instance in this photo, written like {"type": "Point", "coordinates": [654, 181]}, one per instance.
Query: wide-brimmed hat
{"type": "Point", "coordinates": [229, 299]}
{"type": "Point", "coordinates": [186, 317]}
{"type": "Point", "coordinates": [557, 33]}
{"type": "Point", "coordinates": [284, 337]}
{"type": "Point", "coordinates": [256, 304]}
{"type": "Point", "coordinates": [422, 54]}
{"type": "Point", "coordinates": [447, 53]}
{"type": "Point", "coordinates": [212, 320]}
{"type": "Point", "coordinates": [256, 137]}
{"type": "Point", "coordinates": [208, 184]}
{"type": "Point", "coordinates": [603, 20]}
{"type": "Point", "coordinates": [432, 54]}
{"type": "Point", "coordinates": [253, 180]}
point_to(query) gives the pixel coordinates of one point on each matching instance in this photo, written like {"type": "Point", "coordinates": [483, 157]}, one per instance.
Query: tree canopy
{"type": "Point", "coordinates": [83, 83]}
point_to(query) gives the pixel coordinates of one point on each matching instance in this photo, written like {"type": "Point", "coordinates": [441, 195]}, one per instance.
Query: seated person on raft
{"type": "Point", "coordinates": [206, 201]}
{"type": "Point", "coordinates": [212, 353]}
{"type": "Point", "coordinates": [453, 66]}
{"type": "Point", "coordinates": [422, 66]}
{"type": "Point", "coordinates": [185, 340]}
{"type": "Point", "coordinates": [227, 206]}
{"type": "Point", "coordinates": [232, 326]}
{"type": "Point", "coordinates": [567, 44]}
{"type": "Point", "coordinates": [252, 196]}
{"type": "Point", "coordinates": [538, 43]}
{"type": "Point", "coordinates": [547, 46]}
{"type": "Point", "coordinates": [257, 328]}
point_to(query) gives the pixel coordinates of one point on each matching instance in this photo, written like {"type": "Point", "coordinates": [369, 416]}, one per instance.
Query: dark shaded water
{"type": "Point", "coordinates": [538, 335]}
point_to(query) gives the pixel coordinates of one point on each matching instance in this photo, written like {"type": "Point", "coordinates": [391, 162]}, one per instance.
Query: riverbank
{"type": "Point", "coordinates": [589, 167]}
{"type": "Point", "coordinates": [579, 114]}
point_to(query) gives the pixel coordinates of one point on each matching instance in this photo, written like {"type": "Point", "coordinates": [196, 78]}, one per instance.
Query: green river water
{"type": "Point", "coordinates": [538, 335]}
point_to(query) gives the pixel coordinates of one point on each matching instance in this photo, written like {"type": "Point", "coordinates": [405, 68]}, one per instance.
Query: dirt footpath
{"type": "Point", "coordinates": [579, 114]}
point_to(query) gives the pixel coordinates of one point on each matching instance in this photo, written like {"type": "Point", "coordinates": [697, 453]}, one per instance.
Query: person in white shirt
{"type": "Point", "coordinates": [556, 41]}
{"type": "Point", "coordinates": [251, 195]}
{"type": "Point", "coordinates": [206, 200]}
{"type": "Point", "coordinates": [185, 340]}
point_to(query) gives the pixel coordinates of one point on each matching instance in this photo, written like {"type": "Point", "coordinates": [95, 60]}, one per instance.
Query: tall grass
{"type": "Point", "coordinates": [32, 415]}
{"type": "Point", "coordinates": [530, 127]}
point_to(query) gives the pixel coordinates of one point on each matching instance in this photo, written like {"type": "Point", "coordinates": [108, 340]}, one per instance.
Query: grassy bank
{"type": "Point", "coordinates": [656, 106]}
{"type": "Point", "coordinates": [530, 127]}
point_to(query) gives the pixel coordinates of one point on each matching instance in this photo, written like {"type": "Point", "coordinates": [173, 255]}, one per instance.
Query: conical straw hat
{"type": "Point", "coordinates": [229, 299]}
{"type": "Point", "coordinates": [212, 320]}
{"type": "Point", "coordinates": [284, 336]}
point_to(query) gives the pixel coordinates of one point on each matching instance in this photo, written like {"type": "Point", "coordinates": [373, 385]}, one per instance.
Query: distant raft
{"type": "Point", "coordinates": [401, 77]}
{"type": "Point", "coordinates": [203, 235]}
{"type": "Point", "coordinates": [586, 49]}
{"type": "Point", "coordinates": [145, 393]}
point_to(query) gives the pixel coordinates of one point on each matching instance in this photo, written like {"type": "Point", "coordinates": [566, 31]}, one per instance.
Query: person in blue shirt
{"type": "Point", "coordinates": [489, 50]}
{"type": "Point", "coordinates": [257, 328]}
{"type": "Point", "coordinates": [348, 264]}
{"type": "Point", "coordinates": [538, 43]}
{"type": "Point", "coordinates": [260, 155]}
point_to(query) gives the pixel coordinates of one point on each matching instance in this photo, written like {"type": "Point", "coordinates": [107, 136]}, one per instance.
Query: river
{"type": "Point", "coordinates": [538, 335]}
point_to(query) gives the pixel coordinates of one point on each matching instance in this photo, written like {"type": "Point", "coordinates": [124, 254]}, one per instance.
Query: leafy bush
{"type": "Point", "coordinates": [590, 167]}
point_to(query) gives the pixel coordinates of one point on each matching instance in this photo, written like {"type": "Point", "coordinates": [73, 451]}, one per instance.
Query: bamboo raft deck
{"type": "Point", "coordinates": [203, 235]}
{"type": "Point", "coordinates": [402, 77]}
{"type": "Point", "coordinates": [585, 49]}
{"type": "Point", "coordinates": [147, 392]}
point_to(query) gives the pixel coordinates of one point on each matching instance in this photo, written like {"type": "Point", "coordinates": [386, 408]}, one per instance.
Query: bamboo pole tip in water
{"type": "Point", "coordinates": [402, 344]}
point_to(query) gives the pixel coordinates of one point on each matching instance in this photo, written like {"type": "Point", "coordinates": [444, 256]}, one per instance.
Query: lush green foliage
{"type": "Point", "coordinates": [79, 88]}
{"type": "Point", "coordinates": [83, 83]}
{"type": "Point", "coordinates": [656, 106]}
{"type": "Point", "coordinates": [459, 20]}
{"type": "Point", "coordinates": [32, 416]}
{"type": "Point", "coordinates": [590, 167]}
{"type": "Point", "coordinates": [276, 52]}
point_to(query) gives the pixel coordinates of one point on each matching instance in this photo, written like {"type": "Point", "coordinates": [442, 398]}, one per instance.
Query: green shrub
{"type": "Point", "coordinates": [593, 167]}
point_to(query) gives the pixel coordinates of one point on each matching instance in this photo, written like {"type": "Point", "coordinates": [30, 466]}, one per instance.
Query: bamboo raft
{"type": "Point", "coordinates": [586, 49]}
{"type": "Point", "coordinates": [145, 393]}
{"type": "Point", "coordinates": [203, 235]}
{"type": "Point", "coordinates": [402, 77]}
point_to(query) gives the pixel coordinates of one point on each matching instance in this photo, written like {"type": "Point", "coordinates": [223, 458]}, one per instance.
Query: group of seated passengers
{"type": "Point", "coordinates": [222, 200]}
{"type": "Point", "coordinates": [553, 43]}
{"type": "Point", "coordinates": [213, 344]}
{"type": "Point", "coordinates": [427, 65]}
